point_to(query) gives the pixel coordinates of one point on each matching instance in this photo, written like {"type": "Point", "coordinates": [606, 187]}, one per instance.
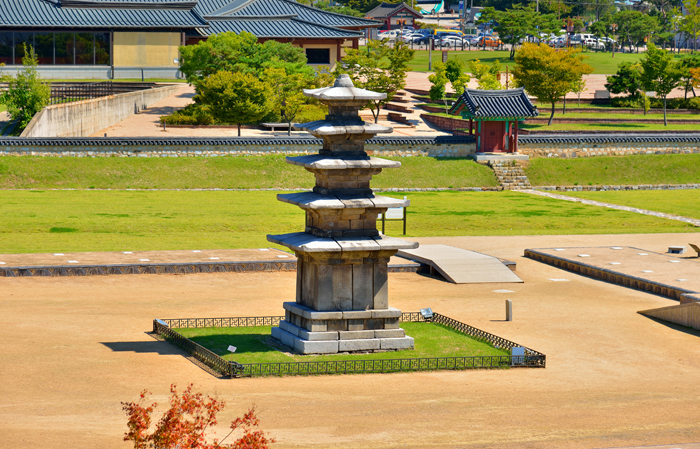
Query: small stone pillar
{"type": "Point", "coordinates": [342, 302]}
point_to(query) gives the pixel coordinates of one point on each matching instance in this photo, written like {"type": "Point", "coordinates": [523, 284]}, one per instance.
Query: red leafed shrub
{"type": "Point", "coordinates": [183, 426]}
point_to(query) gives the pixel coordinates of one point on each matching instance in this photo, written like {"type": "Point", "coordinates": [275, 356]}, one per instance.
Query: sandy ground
{"type": "Point", "coordinates": [74, 348]}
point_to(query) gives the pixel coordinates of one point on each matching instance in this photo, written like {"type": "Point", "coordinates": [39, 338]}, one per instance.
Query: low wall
{"type": "Point", "coordinates": [443, 146]}
{"type": "Point", "coordinates": [588, 145]}
{"type": "Point", "coordinates": [83, 118]}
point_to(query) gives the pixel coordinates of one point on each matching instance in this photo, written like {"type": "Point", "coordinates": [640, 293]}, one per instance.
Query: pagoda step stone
{"type": "Point", "coordinates": [510, 177]}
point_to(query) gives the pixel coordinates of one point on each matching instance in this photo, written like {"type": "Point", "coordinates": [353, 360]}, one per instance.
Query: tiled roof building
{"type": "Point", "coordinates": [125, 39]}
{"type": "Point", "coordinates": [497, 114]}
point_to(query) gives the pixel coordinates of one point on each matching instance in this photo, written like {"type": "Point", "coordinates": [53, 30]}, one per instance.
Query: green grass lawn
{"type": "Point", "coordinates": [679, 202]}
{"type": "Point", "coordinates": [610, 114]}
{"type": "Point", "coordinates": [611, 127]}
{"type": "Point", "coordinates": [254, 345]}
{"type": "Point", "coordinates": [85, 220]}
{"type": "Point", "coordinates": [3, 108]}
{"type": "Point", "coordinates": [603, 63]}
{"type": "Point", "coordinates": [615, 170]}
{"type": "Point", "coordinates": [221, 172]}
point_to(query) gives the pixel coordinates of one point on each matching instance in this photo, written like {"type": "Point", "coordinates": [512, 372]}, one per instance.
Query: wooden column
{"type": "Point", "coordinates": [471, 128]}
{"type": "Point", "coordinates": [515, 138]}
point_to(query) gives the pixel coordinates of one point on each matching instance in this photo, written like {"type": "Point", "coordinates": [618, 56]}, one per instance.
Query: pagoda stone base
{"type": "Point", "coordinates": [311, 332]}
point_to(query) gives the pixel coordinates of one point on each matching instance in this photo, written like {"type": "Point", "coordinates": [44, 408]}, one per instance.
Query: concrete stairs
{"type": "Point", "coordinates": [510, 175]}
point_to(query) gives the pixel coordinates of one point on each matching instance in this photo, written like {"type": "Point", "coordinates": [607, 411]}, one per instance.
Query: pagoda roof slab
{"type": "Point", "coordinates": [320, 162]}
{"type": "Point", "coordinates": [341, 127]}
{"type": "Point", "coordinates": [389, 243]}
{"type": "Point", "coordinates": [311, 200]}
{"type": "Point", "coordinates": [307, 243]}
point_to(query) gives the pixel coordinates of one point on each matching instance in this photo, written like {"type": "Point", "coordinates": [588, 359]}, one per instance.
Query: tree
{"type": "Point", "coordinates": [240, 53]}
{"type": "Point", "coordinates": [660, 73]}
{"type": "Point", "coordinates": [234, 97]}
{"type": "Point", "coordinates": [359, 5]}
{"type": "Point", "coordinates": [454, 71]}
{"type": "Point", "coordinates": [287, 94]}
{"type": "Point", "coordinates": [486, 76]}
{"type": "Point", "coordinates": [626, 80]}
{"type": "Point", "coordinates": [687, 63]}
{"type": "Point", "coordinates": [516, 24]}
{"type": "Point", "coordinates": [378, 68]}
{"type": "Point", "coordinates": [548, 74]}
{"type": "Point", "coordinates": [690, 23]}
{"type": "Point", "coordinates": [635, 26]}
{"type": "Point", "coordinates": [577, 87]}
{"type": "Point", "coordinates": [185, 423]}
{"type": "Point", "coordinates": [26, 94]}
{"type": "Point", "coordinates": [438, 79]}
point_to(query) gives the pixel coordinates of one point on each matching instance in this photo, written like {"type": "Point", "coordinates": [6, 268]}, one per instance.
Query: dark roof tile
{"type": "Point", "coordinates": [37, 13]}
{"type": "Point", "coordinates": [483, 104]}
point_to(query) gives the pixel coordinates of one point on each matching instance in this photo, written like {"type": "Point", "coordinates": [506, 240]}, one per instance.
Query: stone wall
{"type": "Point", "coordinates": [83, 118]}
{"type": "Point", "coordinates": [445, 146]}
{"type": "Point", "coordinates": [607, 145]}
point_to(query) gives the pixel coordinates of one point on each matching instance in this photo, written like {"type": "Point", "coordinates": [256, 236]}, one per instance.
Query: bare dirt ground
{"type": "Point", "coordinates": [74, 348]}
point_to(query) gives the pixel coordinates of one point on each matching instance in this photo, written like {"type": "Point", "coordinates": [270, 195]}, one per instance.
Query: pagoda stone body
{"type": "Point", "coordinates": [342, 302]}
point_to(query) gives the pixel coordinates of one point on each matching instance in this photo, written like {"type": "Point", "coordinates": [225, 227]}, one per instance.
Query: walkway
{"type": "Point", "coordinates": [147, 123]}
{"type": "Point", "coordinates": [637, 210]}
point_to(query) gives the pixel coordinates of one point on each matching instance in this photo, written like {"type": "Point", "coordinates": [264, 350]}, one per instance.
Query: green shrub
{"type": "Point", "coordinates": [26, 93]}
{"type": "Point", "coordinates": [192, 114]}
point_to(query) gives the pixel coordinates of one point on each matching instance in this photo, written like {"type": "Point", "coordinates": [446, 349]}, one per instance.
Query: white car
{"type": "Point", "coordinates": [411, 37]}
{"type": "Point", "coordinates": [454, 41]}
{"type": "Point", "coordinates": [594, 43]}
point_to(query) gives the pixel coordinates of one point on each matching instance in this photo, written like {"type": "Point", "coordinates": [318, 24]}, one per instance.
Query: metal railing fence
{"type": "Point", "coordinates": [164, 328]}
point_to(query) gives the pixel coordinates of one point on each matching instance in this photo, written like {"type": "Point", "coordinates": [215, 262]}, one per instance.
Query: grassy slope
{"type": "Point", "coordinates": [611, 127]}
{"type": "Point", "coordinates": [67, 221]}
{"type": "Point", "coordinates": [628, 170]}
{"type": "Point", "coordinates": [679, 202]}
{"type": "Point", "coordinates": [222, 172]}
{"type": "Point", "coordinates": [431, 340]}
{"type": "Point", "coordinates": [602, 63]}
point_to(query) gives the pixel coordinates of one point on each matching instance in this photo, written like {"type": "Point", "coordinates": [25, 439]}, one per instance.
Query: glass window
{"type": "Point", "coordinates": [84, 48]}
{"type": "Point", "coordinates": [6, 47]}
{"type": "Point", "coordinates": [22, 39]}
{"type": "Point", "coordinates": [318, 55]}
{"type": "Point", "coordinates": [102, 49]}
{"type": "Point", "coordinates": [64, 48]}
{"type": "Point", "coordinates": [44, 47]}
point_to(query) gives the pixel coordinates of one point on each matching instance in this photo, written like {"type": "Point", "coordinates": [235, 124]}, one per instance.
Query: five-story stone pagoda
{"type": "Point", "coordinates": [342, 302]}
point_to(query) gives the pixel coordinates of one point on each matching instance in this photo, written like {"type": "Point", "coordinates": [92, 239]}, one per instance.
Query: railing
{"type": "Point", "coordinates": [68, 92]}
{"type": "Point", "coordinates": [163, 327]}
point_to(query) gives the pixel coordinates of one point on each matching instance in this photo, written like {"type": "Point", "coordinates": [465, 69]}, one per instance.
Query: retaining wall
{"type": "Point", "coordinates": [83, 118]}
{"type": "Point", "coordinates": [444, 146]}
{"type": "Point", "coordinates": [588, 145]}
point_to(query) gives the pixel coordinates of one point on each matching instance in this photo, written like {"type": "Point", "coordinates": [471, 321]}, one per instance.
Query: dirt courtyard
{"type": "Point", "coordinates": [73, 348]}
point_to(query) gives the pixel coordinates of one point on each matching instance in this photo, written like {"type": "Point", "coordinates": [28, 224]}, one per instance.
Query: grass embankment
{"type": "Point", "coordinates": [72, 221]}
{"type": "Point", "coordinates": [603, 63]}
{"type": "Point", "coordinates": [609, 127]}
{"type": "Point", "coordinates": [254, 345]}
{"type": "Point", "coordinates": [254, 172]}
{"type": "Point", "coordinates": [678, 202]}
{"type": "Point", "coordinates": [612, 170]}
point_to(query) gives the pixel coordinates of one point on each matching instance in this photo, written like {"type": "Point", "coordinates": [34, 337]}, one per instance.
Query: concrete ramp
{"type": "Point", "coordinates": [461, 266]}
{"type": "Point", "coordinates": [687, 314]}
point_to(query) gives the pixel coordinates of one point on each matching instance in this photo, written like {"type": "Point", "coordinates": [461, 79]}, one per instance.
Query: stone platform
{"type": "Point", "coordinates": [308, 331]}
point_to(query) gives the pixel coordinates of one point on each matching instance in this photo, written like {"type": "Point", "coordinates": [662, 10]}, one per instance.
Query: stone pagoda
{"type": "Point", "coordinates": [342, 302]}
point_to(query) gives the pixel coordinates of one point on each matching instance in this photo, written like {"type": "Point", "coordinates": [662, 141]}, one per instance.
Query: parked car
{"type": "Point", "coordinates": [607, 41]}
{"type": "Point", "coordinates": [558, 42]}
{"type": "Point", "coordinates": [472, 39]}
{"type": "Point", "coordinates": [594, 43]}
{"type": "Point", "coordinates": [390, 34]}
{"type": "Point", "coordinates": [412, 38]}
{"type": "Point", "coordinates": [489, 41]}
{"type": "Point", "coordinates": [454, 41]}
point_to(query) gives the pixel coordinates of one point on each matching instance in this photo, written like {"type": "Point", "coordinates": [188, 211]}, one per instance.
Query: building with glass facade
{"type": "Point", "coordinates": [140, 38]}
